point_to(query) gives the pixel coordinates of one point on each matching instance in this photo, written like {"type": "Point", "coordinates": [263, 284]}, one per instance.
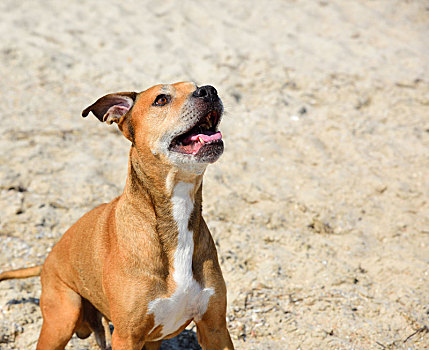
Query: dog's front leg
{"type": "Point", "coordinates": [119, 343]}
{"type": "Point", "coordinates": [213, 338]}
{"type": "Point", "coordinates": [212, 332]}
{"type": "Point", "coordinates": [125, 342]}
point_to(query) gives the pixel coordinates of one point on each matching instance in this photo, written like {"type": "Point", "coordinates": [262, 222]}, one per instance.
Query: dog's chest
{"type": "Point", "coordinates": [189, 300]}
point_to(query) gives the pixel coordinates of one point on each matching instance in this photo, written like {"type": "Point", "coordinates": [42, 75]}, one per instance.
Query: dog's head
{"type": "Point", "coordinates": [177, 123]}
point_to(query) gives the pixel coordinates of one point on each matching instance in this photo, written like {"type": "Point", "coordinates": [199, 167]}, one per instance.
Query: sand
{"type": "Point", "coordinates": [319, 205]}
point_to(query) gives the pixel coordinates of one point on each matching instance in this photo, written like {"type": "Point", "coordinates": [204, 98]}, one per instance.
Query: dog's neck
{"type": "Point", "coordinates": [175, 196]}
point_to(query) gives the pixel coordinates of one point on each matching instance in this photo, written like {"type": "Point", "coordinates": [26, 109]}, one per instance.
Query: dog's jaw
{"type": "Point", "coordinates": [197, 127]}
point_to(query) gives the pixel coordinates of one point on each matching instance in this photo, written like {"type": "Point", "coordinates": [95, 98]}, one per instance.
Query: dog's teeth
{"type": "Point", "coordinates": [201, 140]}
{"type": "Point", "coordinates": [209, 120]}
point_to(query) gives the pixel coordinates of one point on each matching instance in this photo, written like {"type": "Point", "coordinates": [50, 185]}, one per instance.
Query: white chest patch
{"type": "Point", "coordinates": [189, 300]}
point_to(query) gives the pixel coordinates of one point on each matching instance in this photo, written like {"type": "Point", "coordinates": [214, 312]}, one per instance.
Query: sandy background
{"type": "Point", "coordinates": [319, 205]}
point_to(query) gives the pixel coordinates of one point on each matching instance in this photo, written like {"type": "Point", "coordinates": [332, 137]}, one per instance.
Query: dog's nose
{"type": "Point", "coordinates": [208, 93]}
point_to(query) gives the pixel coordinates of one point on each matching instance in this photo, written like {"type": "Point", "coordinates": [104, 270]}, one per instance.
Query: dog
{"type": "Point", "coordinates": [145, 261]}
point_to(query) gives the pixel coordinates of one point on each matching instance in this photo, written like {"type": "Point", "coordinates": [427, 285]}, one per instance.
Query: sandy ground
{"type": "Point", "coordinates": [319, 205]}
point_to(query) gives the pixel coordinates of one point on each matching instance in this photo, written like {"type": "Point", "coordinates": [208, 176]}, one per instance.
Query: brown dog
{"type": "Point", "coordinates": [146, 261]}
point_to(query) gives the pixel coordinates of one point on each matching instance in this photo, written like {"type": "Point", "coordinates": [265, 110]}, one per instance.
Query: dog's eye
{"type": "Point", "coordinates": [161, 100]}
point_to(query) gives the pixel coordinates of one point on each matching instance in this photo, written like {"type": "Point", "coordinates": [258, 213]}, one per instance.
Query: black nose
{"type": "Point", "coordinates": [208, 93]}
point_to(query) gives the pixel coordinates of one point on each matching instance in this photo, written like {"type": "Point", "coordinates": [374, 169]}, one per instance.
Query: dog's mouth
{"type": "Point", "coordinates": [202, 140]}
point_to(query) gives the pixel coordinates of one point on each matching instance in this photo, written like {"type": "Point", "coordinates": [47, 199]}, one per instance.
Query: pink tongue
{"type": "Point", "coordinates": [204, 137]}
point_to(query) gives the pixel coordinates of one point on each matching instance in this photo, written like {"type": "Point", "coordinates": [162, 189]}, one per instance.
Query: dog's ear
{"type": "Point", "coordinates": [112, 107]}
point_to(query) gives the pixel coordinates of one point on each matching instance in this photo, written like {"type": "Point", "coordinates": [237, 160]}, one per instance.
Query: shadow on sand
{"type": "Point", "coordinates": [185, 340]}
